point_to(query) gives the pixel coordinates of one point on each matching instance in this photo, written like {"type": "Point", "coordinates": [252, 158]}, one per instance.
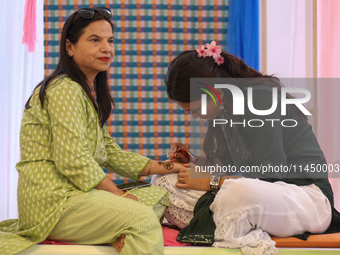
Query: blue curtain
{"type": "Point", "coordinates": [243, 31]}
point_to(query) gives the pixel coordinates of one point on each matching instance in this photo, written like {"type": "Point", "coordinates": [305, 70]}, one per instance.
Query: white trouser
{"type": "Point", "coordinates": [245, 210]}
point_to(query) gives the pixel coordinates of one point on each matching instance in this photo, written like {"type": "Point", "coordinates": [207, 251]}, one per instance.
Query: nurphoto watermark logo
{"type": "Point", "coordinates": [238, 104]}
{"type": "Point", "coordinates": [260, 127]}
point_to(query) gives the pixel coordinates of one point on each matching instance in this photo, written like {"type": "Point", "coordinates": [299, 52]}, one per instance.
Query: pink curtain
{"type": "Point", "coordinates": [29, 27]}
{"type": "Point", "coordinates": [328, 44]}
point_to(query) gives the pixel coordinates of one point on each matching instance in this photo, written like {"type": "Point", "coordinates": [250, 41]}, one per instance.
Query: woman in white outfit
{"type": "Point", "coordinates": [247, 208]}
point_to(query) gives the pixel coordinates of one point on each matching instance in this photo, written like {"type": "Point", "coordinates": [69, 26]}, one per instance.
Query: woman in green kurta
{"type": "Point", "coordinates": [63, 192]}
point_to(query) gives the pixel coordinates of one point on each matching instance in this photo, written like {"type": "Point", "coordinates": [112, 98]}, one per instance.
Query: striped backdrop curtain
{"type": "Point", "coordinates": [149, 34]}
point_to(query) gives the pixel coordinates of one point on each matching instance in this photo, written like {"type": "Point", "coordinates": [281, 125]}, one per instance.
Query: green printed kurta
{"type": "Point", "coordinates": [63, 153]}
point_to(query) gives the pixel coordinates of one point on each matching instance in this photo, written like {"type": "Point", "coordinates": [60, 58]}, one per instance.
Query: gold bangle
{"type": "Point", "coordinates": [125, 194]}
{"type": "Point", "coordinates": [149, 168]}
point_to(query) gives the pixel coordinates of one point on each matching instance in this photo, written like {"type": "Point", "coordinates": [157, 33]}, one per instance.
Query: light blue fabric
{"type": "Point", "coordinates": [243, 31]}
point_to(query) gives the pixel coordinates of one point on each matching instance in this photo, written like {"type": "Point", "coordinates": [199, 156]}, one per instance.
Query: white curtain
{"type": "Point", "coordinates": [289, 39]}
{"type": "Point", "coordinates": [292, 52]}
{"type": "Point", "coordinates": [20, 72]}
{"type": "Point", "coordinates": [289, 32]}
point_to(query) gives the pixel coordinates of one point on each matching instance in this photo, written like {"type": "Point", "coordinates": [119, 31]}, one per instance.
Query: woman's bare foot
{"type": "Point", "coordinates": [119, 242]}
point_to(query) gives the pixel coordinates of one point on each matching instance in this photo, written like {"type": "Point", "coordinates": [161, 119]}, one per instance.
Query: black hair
{"type": "Point", "coordinates": [188, 65]}
{"type": "Point", "coordinates": [67, 65]}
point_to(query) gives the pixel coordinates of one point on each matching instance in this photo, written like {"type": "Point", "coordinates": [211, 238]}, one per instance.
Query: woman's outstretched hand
{"type": "Point", "coordinates": [177, 156]}
{"type": "Point", "coordinates": [185, 182]}
{"type": "Point", "coordinates": [178, 166]}
{"type": "Point", "coordinates": [161, 167]}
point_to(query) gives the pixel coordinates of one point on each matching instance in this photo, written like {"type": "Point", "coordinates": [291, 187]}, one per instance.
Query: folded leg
{"type": "Point", "coordinates": [99, 217]}
{"type": "Point", "coordinates": [245, 210]}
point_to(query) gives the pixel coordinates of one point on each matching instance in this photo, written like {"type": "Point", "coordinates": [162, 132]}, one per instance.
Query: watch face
{"type": "Point", "coordinates": [214, 182]}
{"type": "Point", "coordinates": [215, 178]}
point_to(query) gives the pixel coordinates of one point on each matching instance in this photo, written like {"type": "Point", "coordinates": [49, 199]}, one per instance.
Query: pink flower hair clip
{"type": "Point", "coordinates": [210, 50]}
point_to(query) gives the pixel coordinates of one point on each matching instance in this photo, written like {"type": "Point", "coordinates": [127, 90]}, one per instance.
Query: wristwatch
{"type": "Point", "coordinates": [214, 182]}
